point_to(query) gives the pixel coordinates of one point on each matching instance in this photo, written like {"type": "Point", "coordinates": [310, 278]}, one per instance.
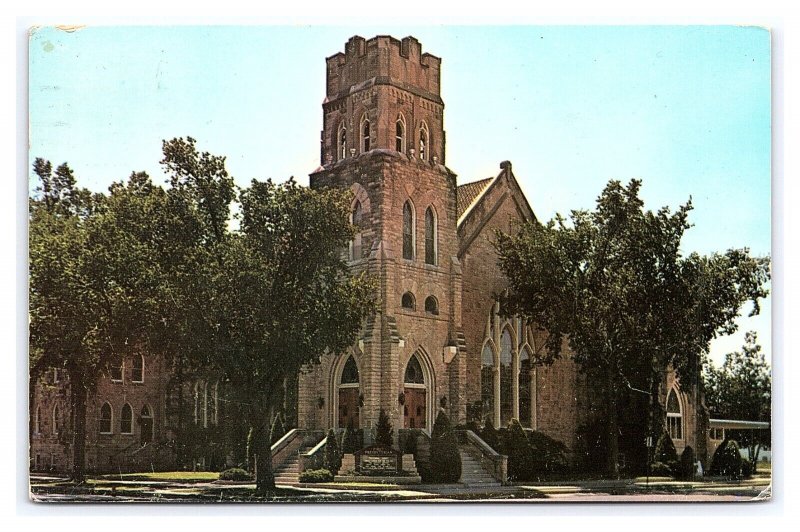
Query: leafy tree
{"type": "Point", "coordinates": [742, 389]}
{"type": "Point", "coordinates": [614, 284]}
{"type": "Point", "coordinates": [445, 459]}
{"type": "Point", "coordinates": [665, 452]}
{"type": "Point", "coordinates": [383, 430]}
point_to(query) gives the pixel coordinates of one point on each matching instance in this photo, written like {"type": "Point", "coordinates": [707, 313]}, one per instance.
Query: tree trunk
{"type": "Point", "coordinates": [612, 456]}
{"type": "Point", "coordinates": [78, 406]}
{"type": "Point", "coordinates": [262, 436]}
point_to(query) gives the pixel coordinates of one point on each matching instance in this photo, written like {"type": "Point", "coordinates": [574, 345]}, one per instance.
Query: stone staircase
{"type": "Point", "coordinates": [472, 473]}
{"type": "Point", "coordinates": [289, 471]}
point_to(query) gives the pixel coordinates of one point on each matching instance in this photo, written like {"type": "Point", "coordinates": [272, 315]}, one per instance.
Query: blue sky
{"type": "Point", "coordinates": [684, 108]}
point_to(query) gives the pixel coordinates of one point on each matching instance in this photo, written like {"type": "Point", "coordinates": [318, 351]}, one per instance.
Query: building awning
{"type": "Point", "coordinates": [737, 424]}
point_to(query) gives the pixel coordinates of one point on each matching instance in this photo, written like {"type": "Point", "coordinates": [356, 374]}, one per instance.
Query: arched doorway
{"type": "Point", "coordinates": [349, 396]}
{"type": "Point", "coordinates": [415, 406]}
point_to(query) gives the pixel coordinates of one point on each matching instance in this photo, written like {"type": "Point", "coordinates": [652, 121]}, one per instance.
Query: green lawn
{"type": "Point", "coordinates": [181, 476]}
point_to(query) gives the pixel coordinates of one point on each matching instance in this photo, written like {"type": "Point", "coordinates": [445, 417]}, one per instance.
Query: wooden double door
{"type": "Point", "coordinates": [415, 411]}
{"type": "Point", "coordinates": [348, 408]}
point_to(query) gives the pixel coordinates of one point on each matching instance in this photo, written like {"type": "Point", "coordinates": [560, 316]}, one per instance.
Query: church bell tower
{"type": "Point", "coordinates": [383, 139]}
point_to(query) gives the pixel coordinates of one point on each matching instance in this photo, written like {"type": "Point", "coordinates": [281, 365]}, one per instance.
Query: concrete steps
{"type": "Point", "coordinates": [473, 474]}
{"type": "Point", "coordinates": [289, 471]}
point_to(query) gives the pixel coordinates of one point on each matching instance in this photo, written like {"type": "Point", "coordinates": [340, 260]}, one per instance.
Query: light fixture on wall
{"type": "Point", "coordinates": [320, 402]}
{"type": "Point", "coordinates": [401, 398]}
{"type": "Point", "coordinates": [443, 401]}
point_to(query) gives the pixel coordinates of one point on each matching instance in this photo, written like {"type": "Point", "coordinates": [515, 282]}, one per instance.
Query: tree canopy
{"type": "Point", "coordinates": [614, 283]}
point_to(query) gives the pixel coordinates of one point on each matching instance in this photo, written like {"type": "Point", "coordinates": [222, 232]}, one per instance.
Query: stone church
{"type": "Point", "coordinates": [437, 342]}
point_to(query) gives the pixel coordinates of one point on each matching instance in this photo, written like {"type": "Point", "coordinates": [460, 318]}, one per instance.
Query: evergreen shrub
{"type": "Point", "coordinates": [333, 458]}
{"type": "Point", "coordinates": [727, 460]}
{"type": "Point", "coordinates": [235, 473]}
{"type": "Point", "coordinates": [316, 475]}
{"type": "Point", "coordinates": [685, 470]}
{"type": "Point", "coordinates": [445, 464]}
{"type": "Point", "coordinates": [383, 430]}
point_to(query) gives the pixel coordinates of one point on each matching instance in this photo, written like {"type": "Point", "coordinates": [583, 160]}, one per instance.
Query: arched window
{"type": "Point", "coordinates": [674, 416]}
{"type": "Point", "coordinates": [424, 142]}
{"type": "Point", "coordinates": [204, 404]}
{"type": "Point", "coordinates": [105, 418]}
{"type": "Point", "coordinates": [430, 236]}
{"type": "Point", "coordinates": [126, 419]}
{"type": "Point", "coordinates": [341, 149]}
{"type": "Point", "coordinates": [408, 231]}
{"type": "Point", "coordinates": [56, 421]}
{"type": "Point", "coordinates": [146, 422]}
{"type": "Point", "coordinates": [487, 384]}
{"type": "Point", "coordinates": [400, 134]}
{"type": "Point", "coordinates": [431, 306]}
{"type": "Point", "coordinates": [137, 371]}
{"type": "Point", "coordinates": [214, 405]}
{"type": "Point", "coordinates": [350, 372]}
{"type": "Point", "coordinates": [365, 134]}
{"type": "Point", "coordinates": [414, 372]}
{"type": "Point", "coordinates": [525, 388]}
{"type": "Point", "coordinates": [506, 378]}
{"type": "Point", "coordinates": [408, 301]}
{"type": "Point", "coordinates": [356, 217]}
{"type": "Point", "coordinates": [37, 421]}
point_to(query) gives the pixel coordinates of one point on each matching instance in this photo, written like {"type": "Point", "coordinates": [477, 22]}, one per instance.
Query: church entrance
{"type": "Point", "coordinates": [348, 396]}
{"type": "Point", "coordinates": [415, 406]}
{"type": "Point", "coordinates": [348, 407]}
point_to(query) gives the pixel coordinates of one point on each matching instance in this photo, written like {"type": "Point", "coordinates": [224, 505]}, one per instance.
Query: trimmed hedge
{"type": "Point", "coordinates": [445, 464]}
{"type": "Point", "coordinates": [316, 475]}
{"type": "Point", "coordinates": [727, 460]}
{"type": "Point", "coordinates": [383, 430]}
{"type": "Point", "coordinates": [235, 474]}
{"type": "Point", "coordinates": [685, 470]}
{"type": "Point", "coordinates": [660, 469]}
{"type": "Point", "coordinates": [333, 458]}
{"type": "Point", "coordinates": [549, 455]}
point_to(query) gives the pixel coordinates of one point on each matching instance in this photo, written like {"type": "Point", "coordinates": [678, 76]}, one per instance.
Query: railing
{"type": "Point", "coordinates": [314, 458]}
{"type": "Point", "coordinates": [291, 443]}
{"type": "Point", "coordinates": [492, 462]}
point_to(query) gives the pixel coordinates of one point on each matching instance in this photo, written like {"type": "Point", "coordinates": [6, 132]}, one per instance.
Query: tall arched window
{"type": "Point", "coordinates": [204, 404]}
{"type": "Point", "coordinates": [408, 231]}
{"type": "Point", "coordinates": [350, 372]}
{"type": "Point", "coordinates": [365, 134]}
{"type": "Point", "coordinates": [105, 418]}
{"type": "Point", "coordinates": [487, 384]}
{"type": "Point", "coordinates": [525, 388]}
{"type": "Point", "coordinates": [424, 142]}
{"type": "Point", "coordinates": [408, 301]}
{"type": "Point", "coordinates": [137, 371]}
{"type": "Point", "coordinates": [430, 236]}
{"type": "Point", "coordinates": [146, 422]}
{"type": "Point", "coordinates": [37, 421]}
{"type": "Point", "coordinates": [196, 402]}
{"type": "Point", "coordinates": [341, 149]}
{"type": "Point", "coordinates": [414, 372]}
{"type": "Point", "coordinates": [117, 372]}
{"type": "Point", "coordinates": [356, 218]}
{"type": "Point", "coordinates": [674, 416]}
{"type": "Point", "coordinates": [56, 421]}
{"type": "Point", "coordinates": [400, 134]}
{"type": "Point", "coordinates": [506, 378]}
{"type": "Point", "coordinates": [126, 419]}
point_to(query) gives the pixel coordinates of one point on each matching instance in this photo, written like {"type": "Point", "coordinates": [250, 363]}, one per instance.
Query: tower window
{"type": "Point", "coordinates": [408, 231]}
{"type": "Point", "coordinates": [117, 372]}
{"type": "Point", "coordinates": [342, 142]}
{"type": "Point", "coordinates": [400, 135]}
{"type": "Point", "coordinates": [424, 142]}
{"type": "Point", "coordinates": [674, 416]}
{"type": "Point", "coordinates": [430, 236]}
{"type": "Point", "coordinates": [137, 371]}
{"type": "Point", "coordinates": [356, 217]}
{"type": "Point", "coordinates": [365, 134]}
{"type": "Point", "coordinates": [431, 306]}
{"type": "Point", "coordinates": [408, 302]}
{"type": "Point", "coordinates": [126, 420]}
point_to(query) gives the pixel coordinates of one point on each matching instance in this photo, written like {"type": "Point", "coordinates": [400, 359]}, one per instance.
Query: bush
{"type": "Point", "coordinates": [350, 440]}
{"type": "Point", "coordinates": [549, 455]}
{"type": "Point", "coordinates": [445, 464]}
{"type": "Point", "coordinates": [685, 470]}
{"type": "Point", "coordinates": [747, 469]}
{"type": "Point", "coordinates": [727, 460]}
{"type": "Point", "coordinates": [316, 475]}
{"type": "Point", "coordinates": [520, 453]}
{"type": "Point", "coordinates": [333, 458]}
{"type": "Point", "coordinates": [235, 473]}
{"type": "Point", "coordinates": [665, 450]}
{"type": "Point", "coordinates": [592, 442]}
{"type": "Point", "coordinates": [490, 436]}
{"type": "Point", "coordinates": [660, 469]}
{"type": "Point", "coordinates": [383, 430]}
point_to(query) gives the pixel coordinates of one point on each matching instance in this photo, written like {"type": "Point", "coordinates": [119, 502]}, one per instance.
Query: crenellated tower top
{"type": "Point", "coordinates": [383, 93]}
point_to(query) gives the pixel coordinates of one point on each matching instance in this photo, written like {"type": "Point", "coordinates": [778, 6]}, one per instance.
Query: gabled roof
{"type": "Point", "coordinates": [469, 193]}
